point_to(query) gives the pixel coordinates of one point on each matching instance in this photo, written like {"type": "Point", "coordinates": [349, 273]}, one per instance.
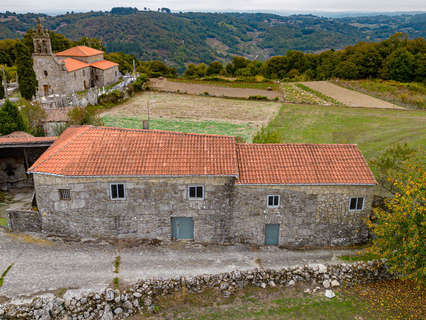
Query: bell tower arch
{"type": "Point", "coordinates": [41, 40]}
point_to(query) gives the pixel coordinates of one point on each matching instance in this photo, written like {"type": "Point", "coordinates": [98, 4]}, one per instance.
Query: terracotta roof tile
{"type": "Point", "coordinates": [79, 51]}
{"type": "Point", "coordinates": [102, 151]}
{"type": "Point", "coordinates": [302, 164]}
{"type": "Point", "coordinates": [103, 64]}
{"type": "Point", "coordinates": [73, 64]}
{"type": "Point", "coordinates": [19, 137]}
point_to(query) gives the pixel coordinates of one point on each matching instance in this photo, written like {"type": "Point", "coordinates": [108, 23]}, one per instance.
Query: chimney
{"type": "Point", "coordinates": [145, 124]}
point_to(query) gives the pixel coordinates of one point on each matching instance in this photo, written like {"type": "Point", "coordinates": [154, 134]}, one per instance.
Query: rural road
{"type": "Point", "coordinates": [41, 266]}
{"type": "Point", "coordinates": [349, 97]}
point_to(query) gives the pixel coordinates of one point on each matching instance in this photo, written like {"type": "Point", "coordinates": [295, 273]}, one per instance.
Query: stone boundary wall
{"type": "Point", "coordinates": [141, 297]}
{"type": "Point", "coordinates": [24, 220]}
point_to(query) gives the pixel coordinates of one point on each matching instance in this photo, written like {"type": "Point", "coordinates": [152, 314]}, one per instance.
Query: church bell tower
{"type": "Point", "coordinates": [41, 40]}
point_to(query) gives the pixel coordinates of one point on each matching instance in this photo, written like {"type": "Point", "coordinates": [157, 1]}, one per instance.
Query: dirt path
{"type": "Point", "coordinates": [349, 97]}
{"type": "Point", "coordinates": [217, 91]}
{"type": "Point", "coordinates": [41, 265]}
{"type": "Point", "coordinates": [181, 106]}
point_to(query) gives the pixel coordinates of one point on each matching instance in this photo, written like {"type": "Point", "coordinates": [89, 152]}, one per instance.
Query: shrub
{"type": "Point", "coordinates": [82, 116]}
{"type": "Point", "coordinates": [113, 97]}
{"type": "Point", "coordinates": [267, 136]}
{"type": "Point", "coordinates": [138, 85]}
{"type": "Point", "coordinates": [260, 98]}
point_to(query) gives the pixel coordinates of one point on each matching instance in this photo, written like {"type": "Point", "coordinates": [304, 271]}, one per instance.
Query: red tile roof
{"type": "Point", "coordinates": [325, 164]}
{"type": "Point", "coordinates": [74, 64]}
{"type": "Point", "coordinates": [103, 64]}
{"type": "Point", "coordinates": [102, 151]}
{"type": "Point", "coordinates": [19, 138]}
{"type": "Point", "coordinates": [79, 51]}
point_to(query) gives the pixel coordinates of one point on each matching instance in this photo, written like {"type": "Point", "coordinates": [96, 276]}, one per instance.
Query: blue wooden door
{"type": "Point", "coordinates": [182, 228]}
{"type": "Point", "coordinates": [272, 234]}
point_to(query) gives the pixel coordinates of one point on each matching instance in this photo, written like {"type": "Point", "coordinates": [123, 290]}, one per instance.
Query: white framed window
{"type": "Point", "coordinates": [196, 192]}
{"type": "Point", "coordinates": [118, 191]}
{"type": "Point", "coordinates": [65, 194]}
{"type": "Point", "coordinates": [356, 203]}
{"type": "Point", "coordinates": [273, 201]}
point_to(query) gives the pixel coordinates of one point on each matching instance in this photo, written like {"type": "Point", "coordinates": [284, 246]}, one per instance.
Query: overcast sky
{"type": "Point", "coordinates": [220, 5]}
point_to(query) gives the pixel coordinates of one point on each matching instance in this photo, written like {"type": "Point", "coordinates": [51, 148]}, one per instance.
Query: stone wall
{"type": "Point", "coordinates": [56, 74]}
{"type": "Point", "coordinates": [307, 215]}
{"type": "Point", "coordinates": [110, 76]}
{"type": "Point", "coordinates": [141, 297]}
{"type": "Point", "coordinates": [145, 213]}
{"type": "Point", "coordinates": [24, 220]}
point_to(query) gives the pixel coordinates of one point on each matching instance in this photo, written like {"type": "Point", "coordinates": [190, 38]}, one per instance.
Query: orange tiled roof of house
{"type": "Point", "coordinates": [19, 137]}
{"type": "Point", "coordinates": [79, 51]}
{"type": "Point", "coordinates": [74, 64]}
{"type": "Point", "coordinates": [323, 164]}
{"type": "Point", "coordinates": [103, 64]}
{"type": "Point", "coordinates": [103, 151]}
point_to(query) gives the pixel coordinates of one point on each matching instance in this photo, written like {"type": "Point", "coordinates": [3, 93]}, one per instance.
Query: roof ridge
{"type": "Point", "coordinates": [69, 140]}
{"type": "Point", "coordinates": [163, 131]}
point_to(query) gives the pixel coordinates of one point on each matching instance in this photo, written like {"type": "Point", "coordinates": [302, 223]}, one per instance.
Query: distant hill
{"type": "Point", "coordinates": [179, 38]}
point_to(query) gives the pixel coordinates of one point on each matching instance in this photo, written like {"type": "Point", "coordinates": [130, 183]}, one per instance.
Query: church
{"type": "Point", "coordinates": [72, 70]}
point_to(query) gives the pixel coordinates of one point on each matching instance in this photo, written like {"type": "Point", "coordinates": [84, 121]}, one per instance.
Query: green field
{"type": "Point", "coordinates": [372, 129]}
{"type": "Point", "coordinates": [211, 127]}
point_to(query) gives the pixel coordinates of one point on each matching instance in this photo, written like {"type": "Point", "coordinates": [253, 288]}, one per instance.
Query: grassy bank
{"type": "Point", "coordinates": [211, 127]}
{"type": "Point", "coordinates": [380, 300]}
{"type": "Point", "coordinates": [411, 95]}
{"type": "Point", "coordinates": [372, 129]}
{"type": "Point", "coordinates": [233, 84]}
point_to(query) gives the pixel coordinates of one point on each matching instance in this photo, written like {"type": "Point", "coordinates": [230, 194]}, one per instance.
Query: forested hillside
{"type": "Point", "coordinates": [181, 38]}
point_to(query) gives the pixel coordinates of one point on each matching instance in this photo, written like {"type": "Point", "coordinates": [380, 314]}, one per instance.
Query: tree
{"type": "Point", "coordinates": [27, 78]}
{"type": "Point", "coordinates": [391, 163]}
{"type": "Point", "coordinates": [346, 70]}
{"type": "Point", "coordinates": [10, 119]}
{"type": "Point", "coordinates": [34, 115]}
{"type": "Point", "coordinates": [214, 68]}
{"type": "Point", "coordinates": [1, 86]}
{"type": "Point", "coordinates": [399, 66]}
{"type": "Point", "coordinates": [267, 136]}
{"type": "Point", "coordinates": [400, 227]}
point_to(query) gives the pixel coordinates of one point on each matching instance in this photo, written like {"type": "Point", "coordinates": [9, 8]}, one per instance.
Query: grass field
{"type": "Point", "coordinates": [382, 300]}
{"type": "Point", "coordinates": [372, 129]}
{"type": "Point", "coordinates": [412, 95]}
{"type": "Point", "coordinates": [211, 127]}
{"type": "Point", "coordinates": [294, 94]}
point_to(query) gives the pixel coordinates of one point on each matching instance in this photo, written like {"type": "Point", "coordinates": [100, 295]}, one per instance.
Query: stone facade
{"type": "Point", "coordinates": [145, 213]}
{"type": "Point", "coordinates": [308, 216]}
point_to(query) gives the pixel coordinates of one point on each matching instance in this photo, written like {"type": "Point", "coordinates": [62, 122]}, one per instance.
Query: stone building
{"type": "Point", "coordinates": [75, 69]}
{"type": "Point", "coordinates": [109, 182]}
{"type": "Point", "coordinates": [18, 151]}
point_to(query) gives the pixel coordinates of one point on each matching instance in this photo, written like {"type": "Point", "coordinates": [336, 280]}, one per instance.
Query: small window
{"type": "Point", "coordinates": [196, 192]}
{"type": "Point", "coordinates": [117, 191]}
{"type": "Point", "coordinates": [356, 204]}
{"type": "Point", "coordinates": [65, 194]}
{"type": "Point", "coordinates": [75, 75]}
{"type": "Point", "coordinates": [45, 73]}
{"type": "Point", "coordinates": [273, 201]}
{"type": "Point", "coordinates": [84, 73]}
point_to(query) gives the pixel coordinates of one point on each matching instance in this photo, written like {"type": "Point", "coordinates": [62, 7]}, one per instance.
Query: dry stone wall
{"type": "Point", "coordinates": [141, 297]}
{"type": "Point", "coordinates": [24, 220]}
